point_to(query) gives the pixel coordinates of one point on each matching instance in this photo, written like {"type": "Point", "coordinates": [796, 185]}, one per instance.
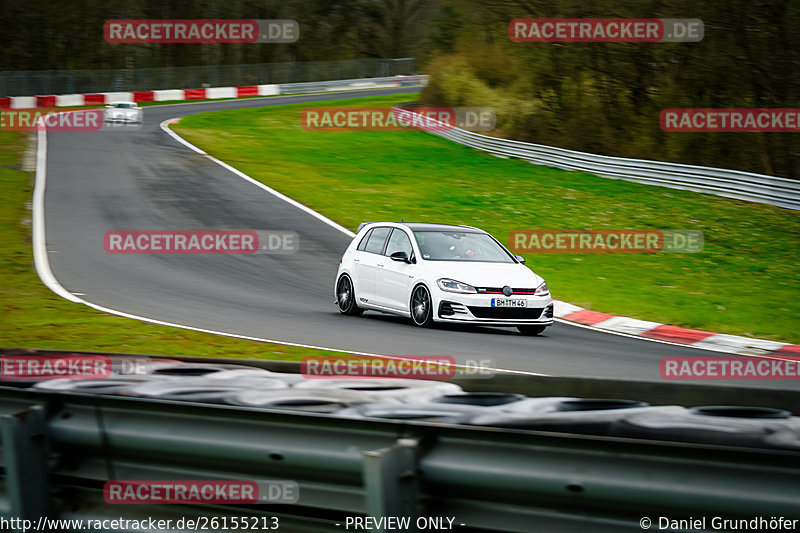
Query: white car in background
{"type": "Point", "coordinates": [440, 273]}
{"type": "Point", "coordinates": [124, 112]}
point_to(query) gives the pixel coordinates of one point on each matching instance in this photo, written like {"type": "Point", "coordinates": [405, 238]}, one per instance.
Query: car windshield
{"type": "Point", "coordinates": [124, 106]}
{"type": "Point", "coordinates": [460, 246]}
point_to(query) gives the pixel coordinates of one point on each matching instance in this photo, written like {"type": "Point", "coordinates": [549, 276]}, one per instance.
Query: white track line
{"type": "Point", "coordinates": [40, 259]}
{"type": "Point", "coordinates": [165, 126]}
{"type": "Point", "coordinates": [42, 262]}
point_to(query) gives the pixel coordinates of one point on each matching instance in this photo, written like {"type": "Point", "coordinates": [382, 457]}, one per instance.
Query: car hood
{"type": "Point", "coordinates": [485, 274]}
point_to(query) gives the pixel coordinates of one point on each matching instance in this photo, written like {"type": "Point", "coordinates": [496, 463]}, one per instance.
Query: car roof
{"type": "Point", "coordinates": [115, 103]}
{"type": "Point", "coordinates": [427, 226]}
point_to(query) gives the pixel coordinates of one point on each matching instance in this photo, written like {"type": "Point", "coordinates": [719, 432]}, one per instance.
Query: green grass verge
{"type": "Point", "coordinates": [743, 283]}
{"type": "Point", "coordinates": [34, 317]}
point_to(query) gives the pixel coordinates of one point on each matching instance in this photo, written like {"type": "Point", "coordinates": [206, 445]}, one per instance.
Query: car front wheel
{"type": "Point", "coordinates": [346, 297]}
{"type": "Point", "coordinates": [531, 330]}
{"type": "Point", "coordinates": [421, 307]}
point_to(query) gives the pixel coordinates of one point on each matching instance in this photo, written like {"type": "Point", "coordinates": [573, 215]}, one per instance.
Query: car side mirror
{"type": "Point", "coordinates": [520, 259]}
{"type": "Point", "coordinates": [400, 256]}
{"type": "Point", "coordinates": [109, 106]}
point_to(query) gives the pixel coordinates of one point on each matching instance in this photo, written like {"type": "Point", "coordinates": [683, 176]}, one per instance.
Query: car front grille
{"type": "Point", "coordinates": [506, 313]}
{"type": "Point", "coordinates": [499, 290]}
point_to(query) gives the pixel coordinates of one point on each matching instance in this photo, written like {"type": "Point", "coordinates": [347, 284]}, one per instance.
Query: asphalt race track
{"type": "Point", "coordinates": [146, 180]}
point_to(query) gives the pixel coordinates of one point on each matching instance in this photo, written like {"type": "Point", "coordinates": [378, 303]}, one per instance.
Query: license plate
{"type": "Point", "coordinates": [504, 302]}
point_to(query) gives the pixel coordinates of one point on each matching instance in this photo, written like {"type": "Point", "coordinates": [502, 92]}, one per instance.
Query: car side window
{"type": "Point", "coordinates": [399, 242]}
{"type": "Point", "coordinates": [376, 240]}
{"type": "Point", "coordinates": [363, 244]}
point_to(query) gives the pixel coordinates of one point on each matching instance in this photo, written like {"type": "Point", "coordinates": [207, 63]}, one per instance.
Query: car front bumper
{"type": "Point", "coordinates": [124, 118]}
{"type": "Point", "coordinates": [478, 309]}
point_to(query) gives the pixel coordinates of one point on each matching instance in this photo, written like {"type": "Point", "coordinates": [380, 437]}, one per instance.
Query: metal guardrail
{"type": "Point", "coordinates": [486, 479]}
{"type": "Point", "coordinates": [58, 449]}
{"type": "Point", "coordinates": [344, 85]}
{"type": "Point", "coordinates": [781, 192]}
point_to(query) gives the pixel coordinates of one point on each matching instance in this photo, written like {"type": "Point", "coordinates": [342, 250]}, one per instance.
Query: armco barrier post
{"type": "Point", "coordinates": [391, 481]}
{"type": "Point", "coordinates": [24, 453]}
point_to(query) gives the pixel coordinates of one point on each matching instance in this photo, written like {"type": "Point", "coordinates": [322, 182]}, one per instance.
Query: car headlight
{"type": "Point", "coordinates": [542, 290]}
{"type": "Point", "coordinates": [451, 285]}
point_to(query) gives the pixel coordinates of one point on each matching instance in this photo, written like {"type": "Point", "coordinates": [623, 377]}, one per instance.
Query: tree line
{"type": "Point", "coordinates": [597, 97]}
{"type": "Point", "coordinates": [606, 97]}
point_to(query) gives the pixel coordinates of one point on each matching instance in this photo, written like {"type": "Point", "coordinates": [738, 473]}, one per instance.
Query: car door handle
{"type": "Point", "coordinates": [356, 260]}
{"type": "Point", "coordinates": [380, 265]}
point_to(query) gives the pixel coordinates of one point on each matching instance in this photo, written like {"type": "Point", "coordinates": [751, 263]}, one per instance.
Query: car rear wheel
{"type": "Point", "coordinates": [421, 307]}
{"type": "Point", "coordinates": [346, 297]}
{"type": "Point", "coordinates": [531, 330]}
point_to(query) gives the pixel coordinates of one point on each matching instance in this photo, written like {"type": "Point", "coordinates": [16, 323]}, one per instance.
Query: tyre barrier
{"type": "Point", "coordinates": [183, 369]}
{"type": "Point", "coordinates": [139, 365]}
{"type": "Point", "coordinates": [538, 406]}
{"type": "Point", "coordinates": [115, 385]}
{"type": "Point", "coordinates": [438, 402]}
{"type": "Point", "coordinates": [460, 408]}
{"type": "Point", "coordinates": [410, 390]}
{"type": "Point", "coordinates": [229, 373]}
{"type": "Point", "coordinates": [437, 413]}
{"type": "Point", "coordinates": [507, 410]}
{"type": "Point", "coordinates": [591, 416]}
{"type": "Point", "coordinates": [757, 427]}
{"type": "Point", "coordinates": [484, 399]}
{"type": "Point", "coordinates": [240, 374]}
{"type": "Point", "coordinates": [330, 401]}
{"type": "Point", "coordinates": [203, 389]}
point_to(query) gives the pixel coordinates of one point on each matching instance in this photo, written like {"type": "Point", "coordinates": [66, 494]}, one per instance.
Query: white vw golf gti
{"type": "Point", "coordinates": [126, 112]}
{"type": "Point", "coordinates": [440, 273]}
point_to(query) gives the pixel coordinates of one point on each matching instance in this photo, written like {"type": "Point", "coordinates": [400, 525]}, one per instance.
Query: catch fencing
{"type": "Point", "coordinates": [36, 82]}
